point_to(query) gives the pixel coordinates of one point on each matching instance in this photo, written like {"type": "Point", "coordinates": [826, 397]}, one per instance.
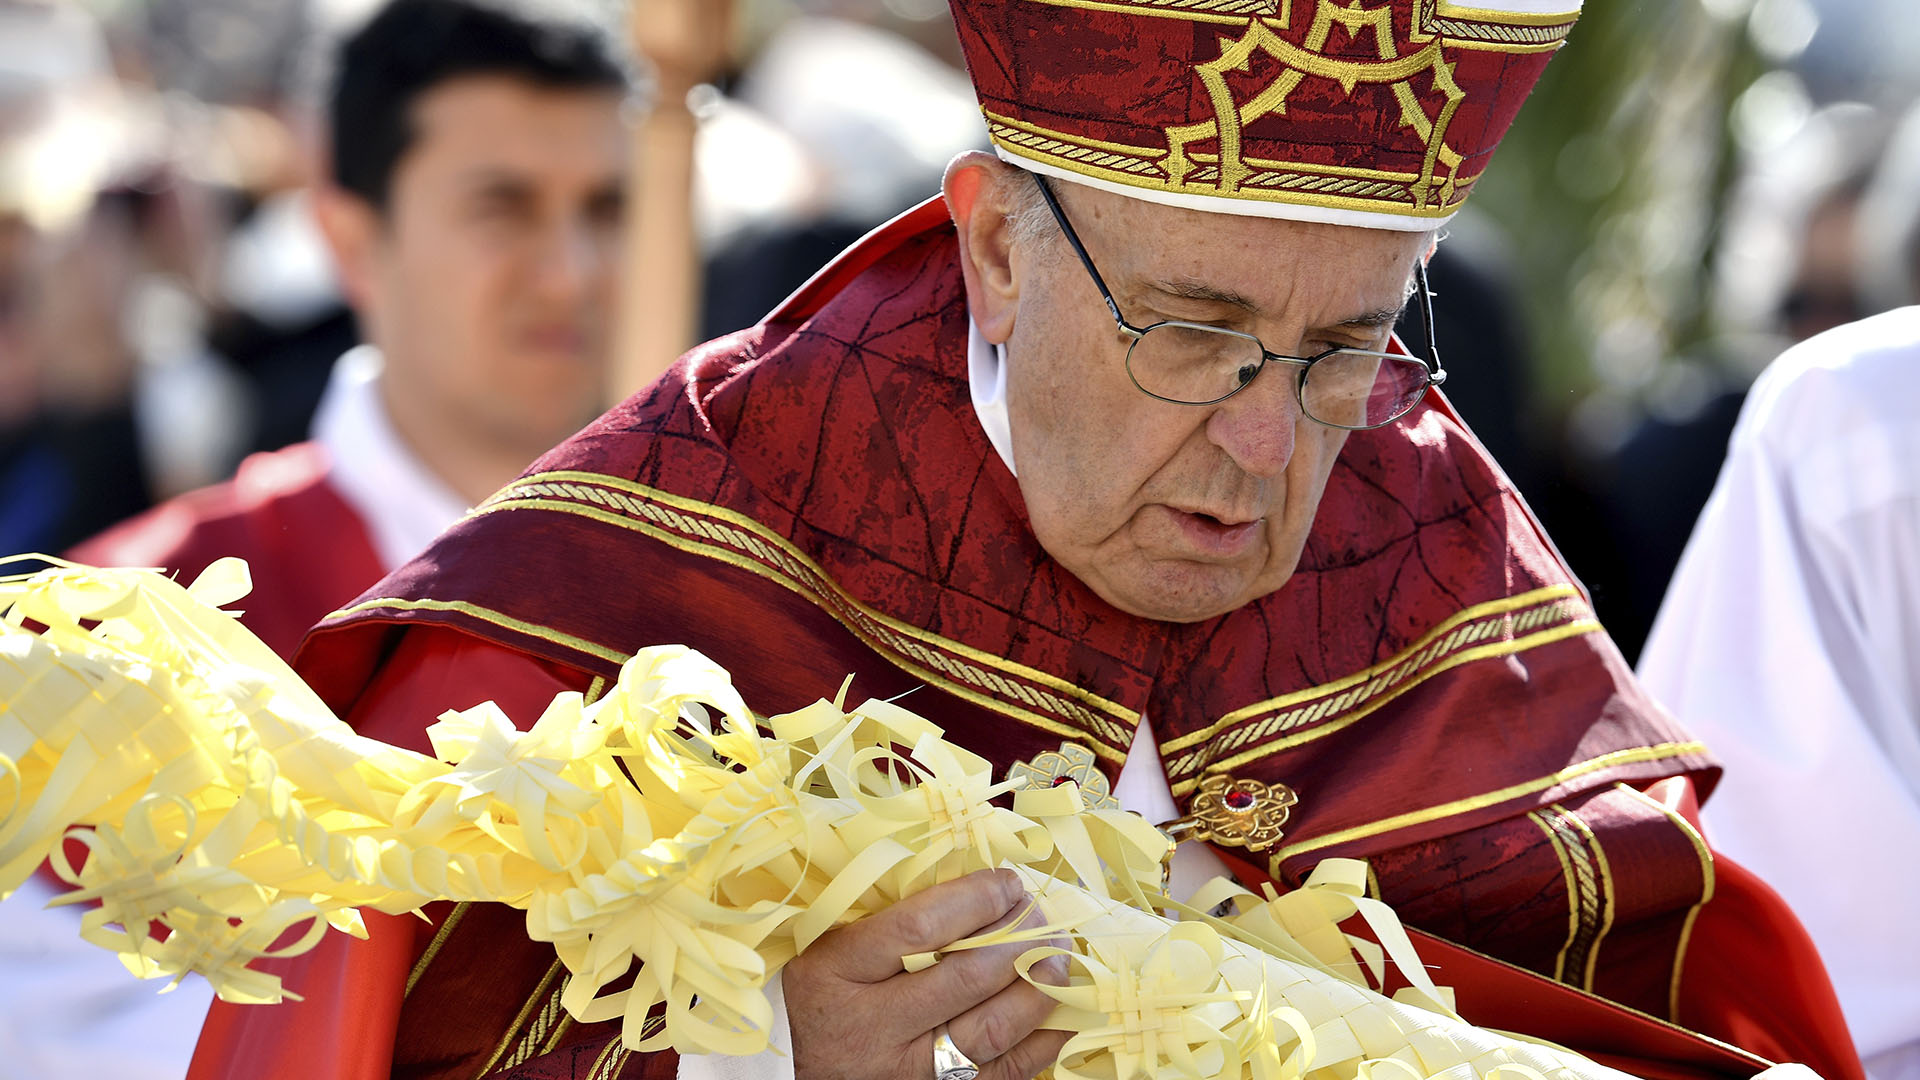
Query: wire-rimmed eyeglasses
{"type": "Point", "coordinates": [1189, 363]}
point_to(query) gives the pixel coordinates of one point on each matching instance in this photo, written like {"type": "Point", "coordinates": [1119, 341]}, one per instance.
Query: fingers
{"type": "Point", "coordinates": [997, 1015]}
{"type": "Point", "coordinates": [1003, 1035]}
{"type": "Point", "coordinates": [853, 1009]}
{"type": "Point", "coordinates": [1031, 1056]}
{"type": "Point", "coordinates": [968, 977]}
{"type": "Point", "coordinates": [870, 950]}
{"type": "Point", "coordinates": [1004, 1022]}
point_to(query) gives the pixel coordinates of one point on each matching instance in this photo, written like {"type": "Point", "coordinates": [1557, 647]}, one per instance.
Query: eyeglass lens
{"type": "Point", "coordinates": [1349, 388]}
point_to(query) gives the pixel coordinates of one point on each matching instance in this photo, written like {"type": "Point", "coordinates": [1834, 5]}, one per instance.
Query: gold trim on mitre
{"type": "Point", "coordinates": [1229, 182]}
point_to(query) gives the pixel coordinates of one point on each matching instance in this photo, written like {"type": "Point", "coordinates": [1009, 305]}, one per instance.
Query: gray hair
{"type": "Point", "coordinates": [1030, 223]}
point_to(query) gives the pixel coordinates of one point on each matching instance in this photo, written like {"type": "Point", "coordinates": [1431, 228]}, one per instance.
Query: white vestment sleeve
{"type": "Point", "coordinates": [773, 1063]}
{"type": "Point", "coordinates": [1788, 642]}
{"type": "Point", "coordinates": [68, 1008]}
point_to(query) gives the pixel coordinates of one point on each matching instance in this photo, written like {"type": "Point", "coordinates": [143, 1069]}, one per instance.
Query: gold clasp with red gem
{"type": "Point", "coordinates": [1246, 814]}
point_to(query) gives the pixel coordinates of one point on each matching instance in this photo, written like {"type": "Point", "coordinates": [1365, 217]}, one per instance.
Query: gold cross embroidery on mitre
{"type": "Point", "coordinates": [1438, 32]}
{"type": "Point", "coordinates": [1308, 59]}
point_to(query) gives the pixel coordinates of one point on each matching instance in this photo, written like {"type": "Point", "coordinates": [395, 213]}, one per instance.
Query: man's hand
{"type": "Point", "coordinates": [856, 1013]}
{"type": "Point", "coordinates": [686, 41]}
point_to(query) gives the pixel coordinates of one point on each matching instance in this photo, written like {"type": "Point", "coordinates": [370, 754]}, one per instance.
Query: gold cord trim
{"type": "Point", "coordinates": [1589, 898]}
{"type": "Point", "coordinates": [613, 1060]}
{"type": "Point", "coordinates": [1145, 158]}
{"type": "Point", "coordinates": [932, 665]}
{"type": "Point", "coordinates": [786, 548]}
{"type": "Point", "coordinates": [1189, 766]}
{"type": "Point", "coordinates": [1630, 756]}
{"type": "Point", "coordinates": [550, 1017]}
{"type": "Point", "coordinates": [485, 614]}
{"type": "Point", "coordinates": [520, 1021]}
{"type": "Point", "coordinates": [433, 947]}
{"type": "Point", "coordinates": [610, 1062]}
{"type": "Point", "coordinates": [1299, 184]}
{"type": "Point", "coordinates": [1567, 875]}
{"type": "Point", "coordinates": [1608, 896]}
{"type": "Point", "coordinates": [718, 533]}
{"type": "Point", "coordinates": [1481, 37]}
{"type": "Point", "coordinates": [1424, 650]}
{"type": "Point", "coordinates": [1705, 854]}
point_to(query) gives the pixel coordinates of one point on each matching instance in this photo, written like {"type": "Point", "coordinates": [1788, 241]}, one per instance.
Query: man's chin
{"type": "Point", "coordinates": [1179, 591]}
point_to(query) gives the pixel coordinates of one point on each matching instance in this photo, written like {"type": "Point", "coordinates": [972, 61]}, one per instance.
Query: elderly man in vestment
{"type": "Point", "coordinates": [1111, 459]}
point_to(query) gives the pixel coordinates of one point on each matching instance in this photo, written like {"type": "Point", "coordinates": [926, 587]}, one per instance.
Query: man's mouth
{"type": "Point", "coordinates": [1223, 535]}
{"type": "Point", "coordinates": [557, 339]}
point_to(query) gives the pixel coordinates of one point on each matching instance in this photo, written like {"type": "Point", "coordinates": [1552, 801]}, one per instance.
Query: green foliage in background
{"type": "Point", "coordinates": [1609, 187]}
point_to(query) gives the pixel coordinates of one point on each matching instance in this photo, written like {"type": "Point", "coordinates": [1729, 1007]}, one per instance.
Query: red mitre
{"type": "Point", "coordinates": [1376, 113]}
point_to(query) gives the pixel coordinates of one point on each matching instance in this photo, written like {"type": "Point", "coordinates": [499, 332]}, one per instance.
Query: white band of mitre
{"type": "Point", "coordinates": [1223, 204]}
{"type": "Point", "coordinates": [1514, 7]}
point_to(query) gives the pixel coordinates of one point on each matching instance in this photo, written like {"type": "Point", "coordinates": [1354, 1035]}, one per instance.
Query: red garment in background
{"type": "Point", "coordinates": [308, 550]}
{"type": "Point", "coordinates": [815, 497]}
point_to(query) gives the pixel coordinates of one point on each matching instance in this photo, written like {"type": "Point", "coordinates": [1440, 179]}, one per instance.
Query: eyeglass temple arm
{"type": "Point", "coordinates": [1066, 229]}
{"type": "Point", "coordinates": [1426, 315]}
{"type": "Point", "coordinates": [1086, 260]}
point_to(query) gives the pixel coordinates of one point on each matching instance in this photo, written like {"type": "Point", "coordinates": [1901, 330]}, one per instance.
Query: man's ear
{"type": "Point", "coordinates": [352, 229]}
{"type": "Point", "coordinates": [973, 188]}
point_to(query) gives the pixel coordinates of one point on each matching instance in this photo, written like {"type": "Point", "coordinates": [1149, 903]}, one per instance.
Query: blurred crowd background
{"type": "Point", "coordinates": [1697, 184]}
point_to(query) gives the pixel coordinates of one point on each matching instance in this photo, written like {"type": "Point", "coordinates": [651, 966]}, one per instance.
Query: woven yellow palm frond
{"type": "Point", "coordinates": [656, 831]}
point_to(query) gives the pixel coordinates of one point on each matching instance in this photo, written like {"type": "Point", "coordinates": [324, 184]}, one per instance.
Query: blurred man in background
{"type": "Point", "coordinates": [1790, 635]}
{"type": "Point", "coordinates": [472, 209]}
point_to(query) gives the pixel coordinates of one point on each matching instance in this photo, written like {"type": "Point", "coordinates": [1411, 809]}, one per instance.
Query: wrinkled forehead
{"type": "Point", "coordinates": [1262, 266]}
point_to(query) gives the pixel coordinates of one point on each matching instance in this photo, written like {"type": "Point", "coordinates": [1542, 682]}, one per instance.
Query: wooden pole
{"type": "Point", "coordinates": [686, 43]}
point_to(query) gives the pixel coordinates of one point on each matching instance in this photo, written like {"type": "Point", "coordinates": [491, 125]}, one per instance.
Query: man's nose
{"type": "Point", "coordinates": [1256, 426]}
{"type": "Point", "coordinates": [570, 260]}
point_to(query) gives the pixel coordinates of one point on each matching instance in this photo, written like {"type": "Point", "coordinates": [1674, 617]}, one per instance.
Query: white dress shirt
{"type": "Point", "coordinates": [69, 1009]}
{"type": "Point", "coordinates": [404, 504]}
{"type": "Point", "coordinates": [1790, 641]}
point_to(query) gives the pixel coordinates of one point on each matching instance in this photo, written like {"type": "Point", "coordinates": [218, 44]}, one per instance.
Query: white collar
{"type": "Point", "coordinates": [987, 382]}
{"type": "Point", "coordinates": [403, 503]}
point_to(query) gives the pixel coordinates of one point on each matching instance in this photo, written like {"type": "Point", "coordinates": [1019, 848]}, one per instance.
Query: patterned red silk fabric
{"type": "Point", "coordinates": [1392, 108]}
{"type": "Point", "coordinates": [814, 497]}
